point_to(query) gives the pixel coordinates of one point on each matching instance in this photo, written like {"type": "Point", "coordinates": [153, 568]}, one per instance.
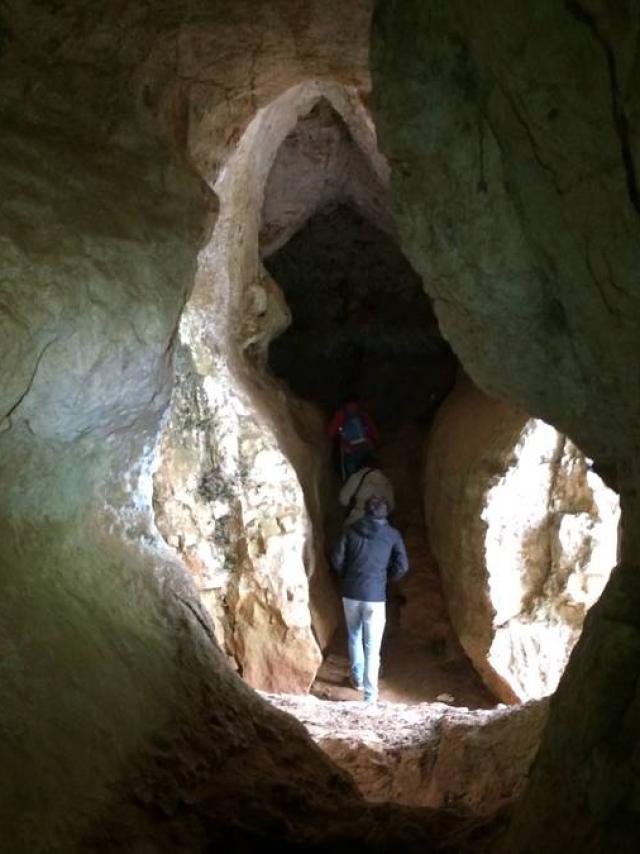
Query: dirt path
{"type": "Point", "coordinates": [421, 657]}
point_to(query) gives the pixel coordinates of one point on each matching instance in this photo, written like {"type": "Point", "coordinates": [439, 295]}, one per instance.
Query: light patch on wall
{"type": "Point", "coordinates": [517, 505]}
{"type": "Point", "coordinates": [550, 546]}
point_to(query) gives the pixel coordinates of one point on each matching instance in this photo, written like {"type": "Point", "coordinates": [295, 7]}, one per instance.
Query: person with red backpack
{"type": "Point", "coordinates": [355, 434]}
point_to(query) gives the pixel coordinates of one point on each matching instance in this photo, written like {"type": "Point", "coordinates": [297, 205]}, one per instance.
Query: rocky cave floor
{"type": "Point", "coordinates": [422, 660]}
{"type": "Point", "coordinates": [411, 674]}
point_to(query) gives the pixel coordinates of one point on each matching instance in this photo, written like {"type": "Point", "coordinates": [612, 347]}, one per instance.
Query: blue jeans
{"type": "Point", "coordinates": [365, 627]}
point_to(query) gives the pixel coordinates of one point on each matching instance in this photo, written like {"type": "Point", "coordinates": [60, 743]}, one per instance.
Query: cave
{"type": "Point", "coordinates": [361, 323]}
{"type": "Point", "coordinates": [201, 206]}
{"type": "Point", "coordinates": [244, 489]}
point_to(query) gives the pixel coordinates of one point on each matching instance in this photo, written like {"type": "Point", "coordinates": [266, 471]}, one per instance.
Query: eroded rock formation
{"type": "Point", "coordinates": [513, 141]}
{"type": "Point", "coordinates": [319, 164]}
{"type": "Point", "coordinates": [512, 144]}
{"type": "Point", "coordinates": [243, 477]}
{"type": "Point", "coordinates": [122, 726]}
{"type": "Point", "coordinates": [525, 535]}
{"type": "Point", "coordinates": [231, 505]}
{"type": "Point", "coordinates": [427, 755]}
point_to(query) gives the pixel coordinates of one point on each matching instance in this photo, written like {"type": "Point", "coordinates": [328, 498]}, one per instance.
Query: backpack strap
{"type": "Point", "coordinates": [352, 500]}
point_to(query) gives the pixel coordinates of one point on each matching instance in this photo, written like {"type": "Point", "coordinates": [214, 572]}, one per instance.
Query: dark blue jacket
{"type": "Point", "coordinates": [369, 554]}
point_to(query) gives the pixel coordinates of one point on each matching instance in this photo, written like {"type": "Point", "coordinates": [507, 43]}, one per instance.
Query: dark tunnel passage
{"type": "Point", "coordinates": [361, 322]}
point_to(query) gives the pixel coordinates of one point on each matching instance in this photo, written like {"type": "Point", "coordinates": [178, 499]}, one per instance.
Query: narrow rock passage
{"type": "Point", "coordinates": [421, 657]}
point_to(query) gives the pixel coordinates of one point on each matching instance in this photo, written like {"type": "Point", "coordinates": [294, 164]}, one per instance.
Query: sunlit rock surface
{"type": "Point", "coordinates": [525, 535]}
{"type": "Point", "coordinates": [231, 505]}
{"type": "Point", "coordinates": [429, 754]}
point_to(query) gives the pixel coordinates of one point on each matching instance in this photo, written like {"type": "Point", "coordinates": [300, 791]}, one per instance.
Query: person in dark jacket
{"type": "Point", "coordinates": [369, 554]}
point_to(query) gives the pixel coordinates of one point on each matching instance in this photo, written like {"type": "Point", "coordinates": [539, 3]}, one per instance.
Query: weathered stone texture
{"type": "Point", "coordinates": [513, 188]}
{"type": "Point", "coordinates": [269, 449]}
{"type": "Point", "coordinates": [513, 143]}
{"type": "Point", "coordinates": [231, 505]}
{"type": "Point", "coordinates": [320, 164]}
{"type": "Point", "coordinates": [121, 726]}
{"type": "Point", "coordinates": [525, 535]}
{"type": "Point", "coordinates": [427, 755]}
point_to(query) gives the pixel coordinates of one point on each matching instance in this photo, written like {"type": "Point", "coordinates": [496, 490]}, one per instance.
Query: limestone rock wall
{"type": "Point", "coordinates": [122, 728]}
{"type": "Point", "coordinates": [513, 139]}
{"type": "Point", "coordinates": [252, 549]}
{"type": "Point", "coordinates": [529, 248]}
{"type": "Point", "coordinates": [231, 505]}
{"type": "Point", "coordinates": [99, 235]}
{"type": "Point", "coordinates": [525, 535]}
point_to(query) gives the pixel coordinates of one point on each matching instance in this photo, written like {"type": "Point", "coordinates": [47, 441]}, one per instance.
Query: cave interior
{"type": "Point", "coordinates": [218, 223]}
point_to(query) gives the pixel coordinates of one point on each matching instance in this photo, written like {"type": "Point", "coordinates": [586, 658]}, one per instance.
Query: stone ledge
{"type": "Point", "coordinates": [428, 754]}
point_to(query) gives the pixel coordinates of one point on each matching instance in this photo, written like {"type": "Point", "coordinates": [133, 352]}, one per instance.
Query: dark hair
{"type": "Point", "coordinates": [377, 507]}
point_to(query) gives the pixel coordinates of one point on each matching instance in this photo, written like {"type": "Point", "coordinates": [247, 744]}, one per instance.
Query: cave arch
{"type": "Point", "coordinates": [258, 553]}
{"type": "Point", "coordinates": [124, 724]}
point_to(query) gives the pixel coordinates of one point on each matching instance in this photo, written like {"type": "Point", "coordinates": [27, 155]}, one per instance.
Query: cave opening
{"type": "Point", "coordinates": [301, 295]}
{"type": "Point", "coordinates": [361, 323]}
